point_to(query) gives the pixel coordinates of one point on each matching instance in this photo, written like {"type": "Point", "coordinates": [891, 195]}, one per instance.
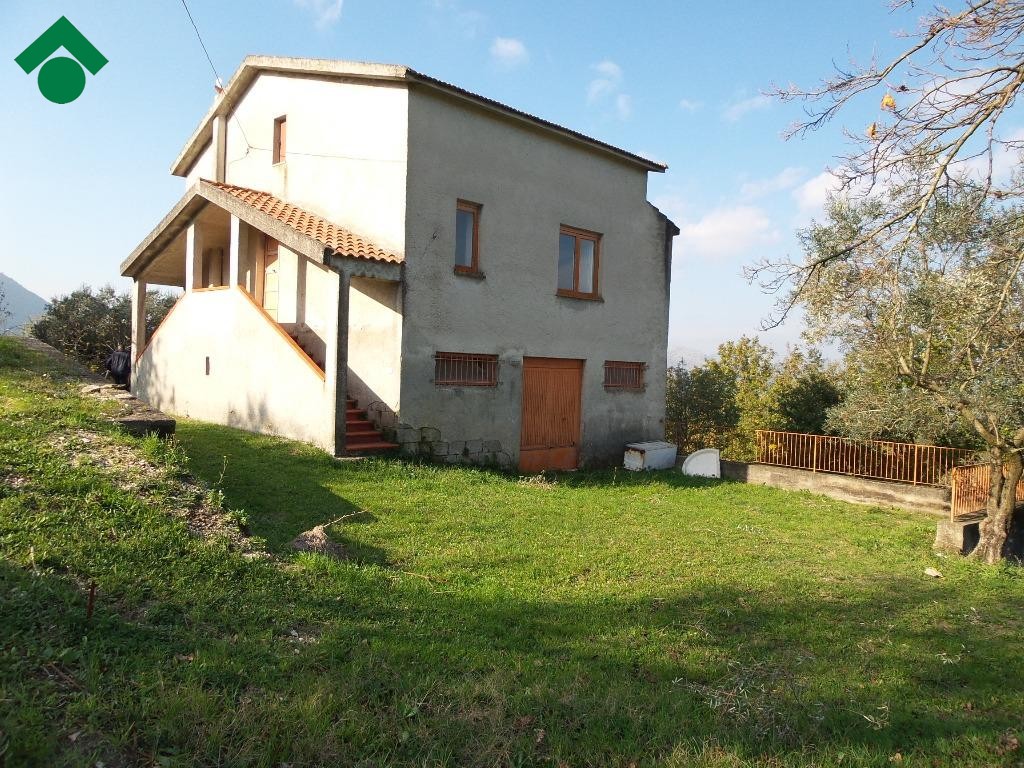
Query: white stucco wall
{"type": "Point", "coordinates": [203, 168]}
{"type": "Point", "coordinates": [346, 151]}
{"type": "Point", "coordinates": [375, 343]}
{"type": "Point", "coordinates": [529, 184]}
{"type": "Point", "coordinates": [257, 381]}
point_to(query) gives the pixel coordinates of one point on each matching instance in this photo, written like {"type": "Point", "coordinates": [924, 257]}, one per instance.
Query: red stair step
{"type": "Point", "coordinates": [363, 437]}
{"type": "Point", "coordinates": [377, 446]}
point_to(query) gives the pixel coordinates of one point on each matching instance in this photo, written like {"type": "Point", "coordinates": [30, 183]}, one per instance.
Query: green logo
{"type": "Point", "coordinates": [61, 79]}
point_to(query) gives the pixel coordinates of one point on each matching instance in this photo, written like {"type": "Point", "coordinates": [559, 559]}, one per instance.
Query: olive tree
{"type": "Point", "coordinates": [917, 269]}
{"type": "Point", "coordinates": [933, 324]}
{"type": "Point", "coordinates": [89, 324]}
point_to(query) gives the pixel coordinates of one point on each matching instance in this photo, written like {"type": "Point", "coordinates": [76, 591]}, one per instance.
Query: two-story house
{"type": "Point", "coordinates": [371, 257]}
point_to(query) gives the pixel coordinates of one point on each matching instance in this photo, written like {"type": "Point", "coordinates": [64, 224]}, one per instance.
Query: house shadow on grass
{"type": "Point", "coordinates": [257, 474]}
{"type": "Point", "coordinates": [406, 669]}
{"type": "Point", "coordinates": [401, 672]}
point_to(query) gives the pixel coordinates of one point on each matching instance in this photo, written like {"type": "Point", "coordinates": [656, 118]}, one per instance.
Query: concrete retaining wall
{"type": "Point", "coordinates": [860, 490]}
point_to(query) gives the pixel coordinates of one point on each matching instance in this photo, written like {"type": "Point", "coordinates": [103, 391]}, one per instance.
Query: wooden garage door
{"type": "Point", "coordinates": [551, 414]}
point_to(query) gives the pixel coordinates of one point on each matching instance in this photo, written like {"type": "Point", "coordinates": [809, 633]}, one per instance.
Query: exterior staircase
{"type": "Point", "coordinates": [361, 436]}
{"type": "Point", "coordinates": [297, 338]}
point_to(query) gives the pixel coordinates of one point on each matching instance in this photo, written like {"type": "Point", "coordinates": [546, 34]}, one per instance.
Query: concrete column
{"type": "Point", "coordinates": [341, 364]}
{"type": "Point", "coordinates": [193, 257]}
{"type": "Point", "coordinates": [238, 251]}
{"type": "Point", "coordinates": [220, 146]}
{"type": "Point", "coordinates": [138, 319]}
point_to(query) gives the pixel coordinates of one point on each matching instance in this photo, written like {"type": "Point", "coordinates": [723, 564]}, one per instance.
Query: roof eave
{"type": "Point", "coordinates": [251, 66]}
{"type": "Point", "coordinates": [246, 73]}
{"type": "Point", "coordinates": [190, 204]}
{"type": "Point", "coordinates": [524, 117]}
{"type": "Point", "coordinates": [203, 192]}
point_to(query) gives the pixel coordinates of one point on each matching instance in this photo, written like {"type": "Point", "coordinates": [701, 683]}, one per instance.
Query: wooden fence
{"type": "Point", "coordinates": [969, 489]}
{"type": "Point", "coordinates": [877, 459]}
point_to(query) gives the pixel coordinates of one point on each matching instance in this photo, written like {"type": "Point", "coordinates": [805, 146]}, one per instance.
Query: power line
{"type": "Point", "coordinates": [185, 6]}
{"type": "Point", "coordinates": [214, 68]}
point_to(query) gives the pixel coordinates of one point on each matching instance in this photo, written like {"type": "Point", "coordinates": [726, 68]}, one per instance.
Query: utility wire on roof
{"type": "Point", "coordinates": [185, 6]}
{"type": "Point", "coordinates": [218, 83]}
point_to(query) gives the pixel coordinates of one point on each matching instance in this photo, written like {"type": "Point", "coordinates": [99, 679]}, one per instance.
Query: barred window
{"type": "Point", "coordinates": [459, 369]}
{"type": "Point", "coordinates": [622, 375]}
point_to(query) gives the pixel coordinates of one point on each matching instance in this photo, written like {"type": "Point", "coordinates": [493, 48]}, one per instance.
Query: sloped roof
{"type": "Point", "coordinates": [293, 226]}
{"type": "Point", "coordinates": [342, 241]}
{"type": "Point", "coordinates": [253, 66]}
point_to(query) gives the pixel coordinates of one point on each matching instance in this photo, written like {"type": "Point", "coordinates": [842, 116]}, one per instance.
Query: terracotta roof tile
{"type": "Point", "coordinates": [344, 242]}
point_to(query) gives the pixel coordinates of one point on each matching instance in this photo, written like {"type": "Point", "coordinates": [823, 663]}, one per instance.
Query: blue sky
{"type": "Point", "coordinates": [678, 81]}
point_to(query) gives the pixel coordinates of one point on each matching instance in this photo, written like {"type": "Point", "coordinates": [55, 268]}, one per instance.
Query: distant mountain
{"type": "Point", "coordinates": [23, 305]}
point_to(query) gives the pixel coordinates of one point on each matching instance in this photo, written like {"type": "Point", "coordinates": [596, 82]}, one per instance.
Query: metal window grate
{"type": "Point", "coordinates": [465, 370]}
{"type": "Point", "coordinates": [622, 375]}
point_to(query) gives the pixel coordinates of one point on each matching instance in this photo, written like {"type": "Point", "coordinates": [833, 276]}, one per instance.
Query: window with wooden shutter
{"type": "Point", "coordinates": [460, 369]}
{"type": "Point", "coordinates": [280, 139]}
{"type": "Point", "coordinates": [579, 263]}
{"type": "Point", "coordinates": [623, 375]}
{"type": "Point", "coordinates": [467, 237]}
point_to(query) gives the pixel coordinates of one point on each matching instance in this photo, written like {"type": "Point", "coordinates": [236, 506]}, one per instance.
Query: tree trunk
{"type": "Point", "coordinates": [1002, 502]}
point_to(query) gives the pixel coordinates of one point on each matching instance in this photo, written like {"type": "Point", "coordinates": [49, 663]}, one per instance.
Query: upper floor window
{"type": "Point", "coordinates": [579, 259]}
{"type": "Point", "coordinates": [280, 139]}
{"type": "Point", "coordinates": [467, 237]}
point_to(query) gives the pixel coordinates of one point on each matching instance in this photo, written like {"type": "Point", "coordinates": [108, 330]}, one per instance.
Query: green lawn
{"type": "Point", "coordinates": [601, 618]}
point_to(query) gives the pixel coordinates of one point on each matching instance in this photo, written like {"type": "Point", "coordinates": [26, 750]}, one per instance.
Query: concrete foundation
{"type": "Point", "coordinates": [859, 490]}
{"type": "Point", "coordinates": [957, 535]}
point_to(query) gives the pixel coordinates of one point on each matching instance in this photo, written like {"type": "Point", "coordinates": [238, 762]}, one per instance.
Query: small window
{"type": "Point", "coordinates": [579, 257]}
{"type": "Point", "coordinates": [467, 237]}
{"type": "Point", "coordinates": [457, 369]}
{"type": "Point", "coordinates": [621, 375]}
{"type": "Point", "coordinates": [280, 139]}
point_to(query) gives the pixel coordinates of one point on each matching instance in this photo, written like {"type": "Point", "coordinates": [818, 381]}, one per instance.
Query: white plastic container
{"type": "Point", "coordinates": [652, 455]}
{"type": "Point", "coordinates": [706, 462]}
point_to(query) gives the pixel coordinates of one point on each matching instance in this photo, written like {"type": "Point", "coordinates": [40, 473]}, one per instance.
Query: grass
{"type": "Point", "coordinates": [600, 618]}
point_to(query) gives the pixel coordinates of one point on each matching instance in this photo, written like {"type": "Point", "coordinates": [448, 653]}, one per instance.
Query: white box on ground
{"type": "Point", "coordinates": [652, 455]}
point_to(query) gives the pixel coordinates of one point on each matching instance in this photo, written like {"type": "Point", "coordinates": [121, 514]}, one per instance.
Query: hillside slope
{"type": "Point", "coordinates": [23, 305]}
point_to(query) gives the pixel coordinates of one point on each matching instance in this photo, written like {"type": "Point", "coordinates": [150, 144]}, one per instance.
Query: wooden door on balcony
{"type": "Point", "coordinates": [552, 389]}
{"type": "Point", "coordinates": [271, 278]}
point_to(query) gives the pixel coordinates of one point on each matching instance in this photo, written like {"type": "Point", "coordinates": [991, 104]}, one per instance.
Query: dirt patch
{"type": "Point", "coordinates": [133, 416]}
{"type": "Point", "coordinates": [17, 482]}
{"type": "Point", "coordinates": [316, 540]}
{"type": "Point", "coordinates": [197, 505]}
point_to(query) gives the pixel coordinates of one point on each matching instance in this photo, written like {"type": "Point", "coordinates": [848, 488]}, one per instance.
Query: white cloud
{"type": "Point", "coordinates": [810, 196]}
{"type": "Point", "coordinates": [1005, 159]}
{"type": "Point", "coordinates": [325, 12]}
{"type": "Point", "coordinates": [727, 231]}
{"type": "Point", "coordinates": [469, 23]}
{"type": "Point", "coordinates": [609, 81]}
{"type": "Point", "coordinates": [739, 109]}
{"type": "Point", "coordinates": [509, 52]}
{"type": "Point", "coordinates": [624, 106]}
{"type": "Point", "coordinates": [688, 105]}
{"type": "Point", "coordinates": [785, 179]}
{"type": "Point", "coordinates": [606, 89]}
{"type": "Point", "coordinates": [672, 205]}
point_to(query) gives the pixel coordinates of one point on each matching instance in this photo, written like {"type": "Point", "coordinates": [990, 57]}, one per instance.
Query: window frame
{"type": "Point", "coordinates": [460, 359]}
{"type": "Point", "coordinates": [625, 365]}
{"type": "Point", "coordinates": [475, 209]}
{"type": "Point", "coordinates": [581, 235]}
{"type": "Point", "coordinates": [279, 153]}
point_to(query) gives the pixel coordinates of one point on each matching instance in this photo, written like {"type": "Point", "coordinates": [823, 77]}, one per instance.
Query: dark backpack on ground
{"type": "Point", "coordinates": [119, 364]}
